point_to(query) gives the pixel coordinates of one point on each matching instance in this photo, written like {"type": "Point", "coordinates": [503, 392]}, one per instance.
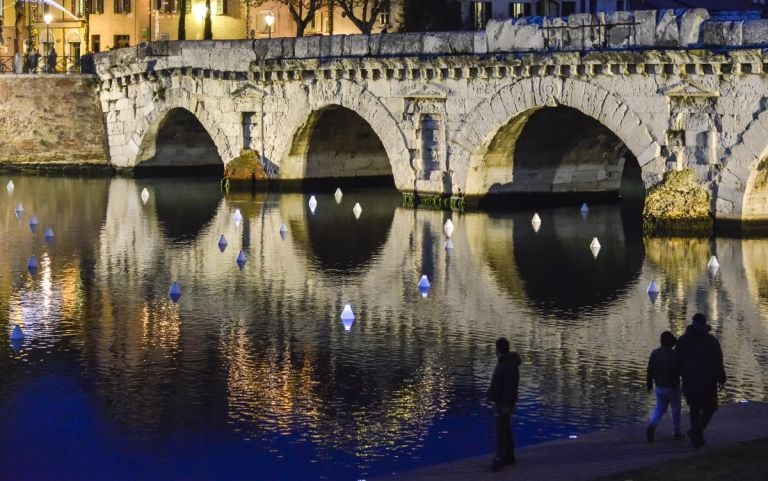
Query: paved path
{"type": "Point", "coordinates": [603, 453]}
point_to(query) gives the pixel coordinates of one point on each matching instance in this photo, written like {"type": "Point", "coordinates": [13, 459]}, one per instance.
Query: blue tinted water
{"type": "Point", "coordinates": [252, 375]}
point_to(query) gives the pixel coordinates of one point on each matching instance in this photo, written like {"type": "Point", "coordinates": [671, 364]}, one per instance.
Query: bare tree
{"type": "Point", "coordinates": [302, 11]}
{"type": "Point", "coordinates": [363, 13]}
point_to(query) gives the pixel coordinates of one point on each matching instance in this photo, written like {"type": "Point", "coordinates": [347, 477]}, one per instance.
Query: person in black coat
{"type": "Point", "coordinates": [503, 395]}
{"type": "Point", "coordinates": [703, 373]}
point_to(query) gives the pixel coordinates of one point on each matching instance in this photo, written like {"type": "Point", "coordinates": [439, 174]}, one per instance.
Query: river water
{"type": "Point", "coordinates": [252, 374]}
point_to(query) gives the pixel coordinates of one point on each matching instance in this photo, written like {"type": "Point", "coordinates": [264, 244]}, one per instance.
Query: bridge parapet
{"type": "Point", "coordinates": [638, 30]}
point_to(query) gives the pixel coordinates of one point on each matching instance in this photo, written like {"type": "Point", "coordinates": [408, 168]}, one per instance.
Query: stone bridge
{"type": "Point", "coordinates": [542, 105]}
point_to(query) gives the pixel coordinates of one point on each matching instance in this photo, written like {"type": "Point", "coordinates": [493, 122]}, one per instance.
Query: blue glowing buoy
{"type": "Point", "coordinates": [19, 211]}
{"type": "Point", "coordinates": [653, 291]}
{"type": "Point", "coordinates": [174, 292]}
{"type": "Point", "coordinates": [240, 260]}
{"type": "Point", "coordinates": [424, 286]}
{"type": "Point", "coordinates": [32, 265]}
{"type": "Point", "coordinates": [222, 243]}
{"type": "Point", "coordinates": [17, 334]}
{"type": "Point", "coordinates": [49, 235]}
{"type": "Point", "coordinates": [33, 224]}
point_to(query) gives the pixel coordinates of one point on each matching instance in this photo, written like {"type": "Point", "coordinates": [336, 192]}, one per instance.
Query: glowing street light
{"type": "Point", "coordinates": [48, 18]}
{"type": "Point", "coordinates": [269, 19]}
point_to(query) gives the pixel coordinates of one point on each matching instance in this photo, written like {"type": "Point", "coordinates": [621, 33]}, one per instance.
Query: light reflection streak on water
{"type": "Point", "coordinates": [269, 342]}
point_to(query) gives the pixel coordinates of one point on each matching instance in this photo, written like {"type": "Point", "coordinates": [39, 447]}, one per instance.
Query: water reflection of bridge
{"type": "Point", "coordinates": [235, 349]}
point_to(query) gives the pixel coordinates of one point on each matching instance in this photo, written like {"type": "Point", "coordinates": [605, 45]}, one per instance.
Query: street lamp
{"type": "Point", "coordinates": [48, 18]}
{"type": "Point", "coordinates": [269, 19]}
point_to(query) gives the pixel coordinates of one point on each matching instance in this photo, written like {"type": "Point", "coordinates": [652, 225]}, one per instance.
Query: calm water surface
{"type": "Point", "coordinates": [252, 375]}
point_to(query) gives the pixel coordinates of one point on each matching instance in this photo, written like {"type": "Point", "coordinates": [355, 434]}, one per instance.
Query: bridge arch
{"type": "Point", "coordinates": [148, 127]}
{"type": "Point", "coordinates": [308, 103]}
{"type": "Point", "coordinates": [514, 103]}
{"type": "Point", "coordinates": [742, 192]}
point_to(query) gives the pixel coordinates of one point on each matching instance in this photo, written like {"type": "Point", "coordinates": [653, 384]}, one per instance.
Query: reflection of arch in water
{"type": "Point", "coordinates": [338, 241]}
{"type": "Point", "coordinates": [554, 268]}
{"type": "Point", "coordinates": [185, 207]}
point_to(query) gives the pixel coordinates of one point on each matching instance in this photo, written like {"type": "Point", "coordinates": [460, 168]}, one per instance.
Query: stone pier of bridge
{"type": "Point", "coordinates": [526, 106]}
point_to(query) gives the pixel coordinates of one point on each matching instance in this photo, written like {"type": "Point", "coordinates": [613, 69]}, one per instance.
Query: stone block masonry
{"type": "Point", "coordinates": [51, 121]}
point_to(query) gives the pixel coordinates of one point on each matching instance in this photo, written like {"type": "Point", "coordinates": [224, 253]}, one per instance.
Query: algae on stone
{"type": "Point", "coordinates": [247, 166]}
{"type": "Point", "coordinates": [679, 202]}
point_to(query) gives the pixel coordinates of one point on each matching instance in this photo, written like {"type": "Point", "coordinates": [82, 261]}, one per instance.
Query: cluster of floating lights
{"type": "Point", "coordinates": [17, 334]}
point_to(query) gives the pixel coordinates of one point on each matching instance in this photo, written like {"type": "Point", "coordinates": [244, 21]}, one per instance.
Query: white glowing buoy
{"type": "Point", "coordinates": [713, 262]}
{"type": "Point", "coordinates": [338, 195]}
{"type": "Point", "coordinates": [448, 228]}
{"type": "Point", "coordinates": [19, 208]}
{"type": "Point", "coordinates": [357, 210]}
{"type": "Point", "coordinates": [240, 260]}
{"type": "Point", "coordinates": [347, 317]}
{"type": "Point", "coordinates": [584, 208]}
{"type": "Point", "coordinates": [174, 292]}
{"type": "Point", "coordinates": [10, 186]}
{"type": "Point", "coordinates": [595, 246]}
{"type": "Point", "coordinates": [237, 217]}
{"type": "Point", "coordinates": [448, 245]}
{"type": "Point", "coordinates": [536, 222]}
{"type": "Point", "coordinates": [312, 204]}
{"type": "Point", "coordinates": [17, 334]}
{"type": "Point", "coordinates": [144, 195]}
{"type": "Point", "coordinates": [283, 228]}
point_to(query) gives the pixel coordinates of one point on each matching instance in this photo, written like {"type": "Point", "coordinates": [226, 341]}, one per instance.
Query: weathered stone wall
{"type": "Point", "coordinates": [51, 120]}
{"type": "Point", "coordinates": [438, 102]}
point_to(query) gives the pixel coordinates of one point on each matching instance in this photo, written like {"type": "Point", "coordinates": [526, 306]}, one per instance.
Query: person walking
{"type": "Point", "coordinates": [664, 372]}
{"type": "Point", "coordinates": [503, 394]}
{"type": "Point", "coordinates": [52, 61]}
{"type": "Point", "coordinates": [703, 373]}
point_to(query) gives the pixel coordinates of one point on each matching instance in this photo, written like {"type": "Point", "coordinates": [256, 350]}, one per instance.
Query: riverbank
{"type": "Point", "coordinates": [610, 452]}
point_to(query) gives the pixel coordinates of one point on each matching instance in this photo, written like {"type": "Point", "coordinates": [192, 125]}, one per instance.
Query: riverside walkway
{"type": "Point", "coordinates": [602, 453]}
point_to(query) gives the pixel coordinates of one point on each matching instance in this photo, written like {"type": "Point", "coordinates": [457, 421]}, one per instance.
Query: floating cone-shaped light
{"type": "Point", "coordinates": [347, 317]}
{"type": "Point", "coordinates": [713, 265]}
{"type": "Point", "coordinates": [17, 334]}
{"type": "Point", "coordinates": [536, 222]}
{"type": "Point", "coordinates": [10, 186]}
{"type": "Point", "coordinates": [19, 209]}
{"type": "Point", "coordinates": [240, 260]}
{"type": "Point", "coordinates": [448, 245]}
{"type": "Point", "coordinates": [424, 286]}
{"type": "Point", "coordinates": [174, 292]}
{"type": "Point", "coordinates": [144, 195]}
{"type": "Point", "coordinates": [283, 231]}
{"type": "Point", "coordinates": [595, 246]}
{"type": "Point", "coordinates": [237, 217]}
{"type": "Point", "coordinates": [312, 204]}
{"type": "Point", "coordinates": [653, 291]}
{"type": "Point", "coordinates": [448, 228]}
{"type": "Point", "coordinates": [222, 243]}
{"type": "Point", "coordinates": [33, 224]}
{"type": "Point", "coordinates": [32, 265]}
{"type": "Point", "coordinates": [584, 207]}
{"type": "Point", "coordinates": [357, 210]}
{"type": "Point", "coordinates": [49, 235]}
{"type": "Point", "coordinates": [338, 195]}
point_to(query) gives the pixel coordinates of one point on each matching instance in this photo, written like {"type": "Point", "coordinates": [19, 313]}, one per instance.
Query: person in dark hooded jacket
{"type": "Point", "coordinates": [664, 372]}
{"type": "Point", "coordinates": [503, 395]}
{"type": "Point", "coordinates": [702, 370]}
